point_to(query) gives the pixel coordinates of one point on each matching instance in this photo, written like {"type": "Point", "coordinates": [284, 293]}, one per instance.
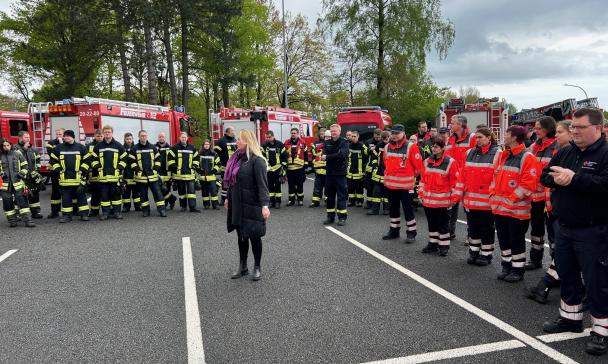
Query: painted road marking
{"type": "Point", "coordinates": [551, 338]}
{"type": "Point", "coordinates": [454, 353]}
{"type": "Point", "coordinates": [520, 335]}
{"type": "Point", "coordinates": [196, 354]}
{"type": "Point", "coordinates": [8, 254]}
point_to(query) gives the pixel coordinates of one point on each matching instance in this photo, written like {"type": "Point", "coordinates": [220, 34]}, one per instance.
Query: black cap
{"type": "Point", "coordinates": [397, 128]}
{"type": "Point", "coordinates": [69, 133]}
{"type": "Point", "coordinates": [443, 130]}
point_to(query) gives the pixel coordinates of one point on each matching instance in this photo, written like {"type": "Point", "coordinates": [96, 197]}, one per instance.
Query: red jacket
{"type": "Point", "coordinates": [402, 162]}
{"type": "Point", "coordinates": [543, 152]}
{"type": "Point", "coordinates": [296, 154]}
{"type": "Point", "coordinates": [438, 182]}
{"type": "Point", "coordinates": [457, 147]}
{"type": "Point", "coordinates": [515, 179]}
{"type": "Point", "coordinates": [474, 180]}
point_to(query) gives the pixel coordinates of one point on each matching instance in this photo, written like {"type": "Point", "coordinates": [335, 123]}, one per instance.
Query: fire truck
{"type": "Point", "coordinates": [85, 115]}
{"type": "Point", "coordinates": [259, 120]}
{"type": "Point", "coordinates": [487, 112]}
{"type": "Point", "coordinates": [364, 119]}
{"type": "Point", "coordinates": [561, 110]}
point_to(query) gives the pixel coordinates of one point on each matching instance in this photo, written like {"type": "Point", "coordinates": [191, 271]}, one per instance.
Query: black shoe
{"type": "Point", "coordinates": [278, 207]}
{"type": "Point", "coordinates": [351, 204]}
{"type": "Point", "coordinates": [430, 248]}
{"type": "Point", "coordinates": [540, 293]}
{"type": "Point", "coordinates": [328, 221]}
{"type": "Point", "coordinates": [93, 213]}
{"type": "Point", "coordinates": [257, 274]}
{"type": "Point", "coordinates": [103, 217]}
{"type": "Point", "coordinates": [52, 216]}
{"type": "Point", "coordinates": [29, 223]}
{"type": "Point", "coordinates": [473, 256]}
{"type": "Point", "coordinates": [443, 251]}
{"type": "Point", "coordinates": [214, 206]}
{"type": "Point", "coordinates": [241, 270]}
{"type": "Point", "coordinates": [368, 205]}
{"type": "Point", "coordinates": [410, 237]}
{"type": "Point", "coordinates": [314, 204]}
{"type": "Point", "coordinates": [516, 275]}
{"type": "Point", "coordinates": [183, 209]}
{"type": "Point", "coordinates": [118, 216]}
{"type": "Point", "coordinates": [373, 212]}
{"type": "Point", "coordinates": [207, 207]}
{"type": "Point", "coordinates": [506, 269]}
{"type": "Point", "coordinates": [272, 205]}
{"type": "Point", "coordinates": [533, 265]}
{"type": "Point", "coordinates": [195, 210]}
{"type": "Point", "coordinates": [37, 215]}
{"type": "Point", "coordinates": [126, 209]}
{"type": "Point", "coordinates": [300, 203]}
{"type": "Point", "coordinates": [65, 218]}
{"type": "Point", "coordinates": [137, 208]}
{"type": "Point", "coordinates": [341, 222]}
{"type": "Point", "coordinates": [359, 204]}
{"type": "Point", "coordinates": [12, 223]}
{"type": "Point", "coordinates": [393, 233]}
{"type": "Point", "coordinates": [145, 213]}
{"type": "Point", "coordinates": [483, 260]}
{"type": "Point", "coordinates": [162, 212]}
{"type": "Point", "coordinates": [84, 218]}
{"type": "Point", "coordinates": [563, 325]}
{"type": "Point", "coordinates": [597, 344]}
{"type": "Point", "coordinates": [171, 204]}
{"type": "Point", "coordinates": [385, 212]}
{"type": "Point", "coordinates": [291, 203]}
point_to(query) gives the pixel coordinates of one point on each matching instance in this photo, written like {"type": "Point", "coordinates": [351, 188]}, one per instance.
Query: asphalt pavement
{"type": "Point", "coordinates": [122, 291]}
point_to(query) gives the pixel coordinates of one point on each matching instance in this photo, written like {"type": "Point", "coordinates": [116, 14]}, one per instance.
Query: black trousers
{"type": "Point", "coordinates": [512, 239]}
{"type": "Point", "coordinates": [336, 192]}
{"type": "Point", "coordinates": [379, 196]}
{"type": "Point", "coordinates": [68, 195]}
{"type": "Point", "coordinates": [551, 276]}
{"type": "Point", "coordinates": [369, 186]}
{"type": "Point", "coordinates": [274, 186]}
{"type": "Point", "coordinates": [454, 218]}
{"type": "Point", "coordinates": [438, 220]}
{"type": "Point", "coordinates": [142, 190]}
{"type": "Point", "coordinates": [355, 189]}
{"type": "Point", "coordinates": [481, 232]}
{"type": "Point", "coordinates": [583, 250]}
{"type": "Point", "coordinates": [538, 220]}
{"type": "Point", "coordinates": [317, 191]}
{"type": "Point", "coordinates": [256, 248]}
{"type": "Point", "coordinates": [295, 181]}
{"type": "Point", "coordinates": [131, 191]}
{"type": "Point", "coordinates": [111, 197]}
{"type": "Point", "coordinates": [95, 197]}
{"type": "Point", "coordinates": [209, 193]}
{"type": "Point", "coordinates": [13, 199]}
{"type": "Point", "coordinates": [187, 194]}
{"type": "Point", "coordinates": [33, 198]}
{"type": "Point", "coordinates": [169, 196]}
{"type": "Point", "coordinates": [398, 199]}
{"type": "Point", "coordinates": [55, 194]}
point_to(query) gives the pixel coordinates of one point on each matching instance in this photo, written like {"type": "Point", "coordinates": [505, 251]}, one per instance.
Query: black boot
{"type": "Point", "coordinates": [368, 205]}
{"type": "Point", "coordinates": [373, 212]}
{"type": "Point", "coordinates": [410, 237]}
{"type": "Point", "coordinates": [52, 215]}
{"type": "Point", "coordinates": [473, 256]}
{"type": "Point", "coordinates": [126, 209]}
{"type": "Point", "coordinates": [194, 209]}
{"type": "Point", "coordinates": [36, 214]}
{"type": "Point", "coordinates": [12, 221]}
{"type": "Point", "coordinates": [330, 220]}
{"type": "Point", "coordinates": [214, 206]}
{"type": "Point", "coordinates": [65, 218]}
{"type": "Point", "coordinates": [385, 211]}
{"type": "Point", "coordinates": [162, 211]}
{"type": "Point", "coordinates": [563, 325]}
{"type": "Point", "coordinates": [516, 275]}
{"type": "Point", "coordinates": [145, 212]}
{"type": "Point", "coordinates": [597, 345]}
{"type": "Point", "coordinates": [84, 217]}
{"type": "Point", "coordinates": [172, 200]}
{"type": "Point", "coordinates": [443, 251]}
{"type": "Point", "coordinates": [351, 203]}
{"type": "Point", "coordinates": [278, 206]}
{"type": "Point", "coordinates": [483, 260]}
{"type": "Point", "coordinates": [533, 265]}
{"type": "Point", "coordinates": [257, 273]}
{"type": "Point", "coordinates": [241, 271]}
{"type": "Point", "coordinates": [540, 293]}
{"type": "Point", "coordinates": [430, 248]}
{"type": "Point", "coordinates": [28, 220]}
{"type": "Point", "coordinates": [313, 205]}
{"type": "Point", "coordinates": [506, 269]}
{"type": "Point", "coordinates": [94, 212]}
{"type": "Point", "coordinates": [341, 222]}
{"type": "Point", "coordinates": [300, 203]}
{"type": "Point", "coordinates": [118, 215]}
{"type": "Point", "coordinates": [393, 233]}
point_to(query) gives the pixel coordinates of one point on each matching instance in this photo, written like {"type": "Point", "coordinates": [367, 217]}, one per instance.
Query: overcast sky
{"type": "Point", "coordinates": [520, 50]}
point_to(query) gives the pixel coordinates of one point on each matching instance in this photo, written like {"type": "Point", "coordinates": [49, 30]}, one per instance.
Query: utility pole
{"type": "Point", "coordinates": [286, 103]}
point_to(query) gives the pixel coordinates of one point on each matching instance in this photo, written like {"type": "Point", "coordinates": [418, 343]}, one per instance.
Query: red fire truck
{"type": "Point", "coordinates": [12, 122]}
{"type": "Point", "coordinates": [260, 120]}
{"type": "Point", "coordinates": [487, 112]}
{"type": "Point", "coordinates": [561, 110]}
{"type": "Point", "coordinates": [364, 119]}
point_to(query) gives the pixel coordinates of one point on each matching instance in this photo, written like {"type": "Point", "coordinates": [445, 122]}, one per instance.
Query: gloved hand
{"type": "Point", "coordinates": [35, 175]}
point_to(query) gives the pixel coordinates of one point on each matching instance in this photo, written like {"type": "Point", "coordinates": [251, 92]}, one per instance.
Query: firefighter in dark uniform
{"type": "Point", "coordinates": [109, 158]}
{"type": "Point", "coordinates": [145, 163]}
{"type": "Point", "coordinates": [369, 182]}
{"type": "Point", "coordinates": [71, 161]}
{"type": "Point", "coordinates": [209, 167]}
{"type": "Point", "coordinates": [357, 160]}
{"type": "Point", "coordinates": [379, 193]}
{"type": "Point", "coordinates": [183, 163]}
{"type": "Point", "coordinates": [165, 174]}
{"type": "Point", "coordinates": [130, 189]}
{"type": "Point", "coordinates": [13, 171]}
{"type": "Point", "coordinates": [578, 175]}
{"type": "Point", "coordinates": [94, 177]}
{"type": "Point", "coordinates": [224, 148]}
{"type": "Point", "coordinates": [55, 194]}
{"type": "Point", "coordinates": [33, 180]}
{"type": "Point", "coordinates": [319, 167]}
{"type": "Point", "coordinates": [335, 153]}
{"type": "Point", "coordinates": [297, 155]}
{"type": "Point", "coordinates": [275, 155]}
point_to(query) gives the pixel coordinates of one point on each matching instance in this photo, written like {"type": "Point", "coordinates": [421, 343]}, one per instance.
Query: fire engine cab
{"type": "Point", "coordinates": [486, 112]}
{"type": "Point", "coordinates": [262, 119]}
{"type": "Point", "coordinates": [364, 119]}
{"type": "Point", "coordinates": [12, 122]}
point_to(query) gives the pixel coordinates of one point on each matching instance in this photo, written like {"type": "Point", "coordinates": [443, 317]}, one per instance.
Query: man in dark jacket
{"type": "Point", "coordinates": [335, 153]}
{"type": "Point", "coordinates": [13, 170]}
{"type": "Point", "coordinates": [145, 163]}
{"type": "Point", "coordinates": [578, 175]}
{"type": "Point", "coordinates": [55, 194]}
{"type": "Point", "coordinates": [33, 179]}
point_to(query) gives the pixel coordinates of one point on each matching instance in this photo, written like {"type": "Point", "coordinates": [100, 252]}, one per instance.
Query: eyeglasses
{"type": "Point", "coordinates": [580, 127]}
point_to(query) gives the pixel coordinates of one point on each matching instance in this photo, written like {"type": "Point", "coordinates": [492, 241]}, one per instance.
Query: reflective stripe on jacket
{"type": "Point", "coordinates": [402, 162]}
{"type": "Point", "coordinates": [475, 177]}
{"type": "Point", "coordinates": [438, 182]}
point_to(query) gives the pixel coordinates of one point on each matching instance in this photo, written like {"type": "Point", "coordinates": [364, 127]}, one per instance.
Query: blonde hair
{"type": "Point", "coordinates": [253, 147]}
{"type": "Point", "coordinates": [107, 127]}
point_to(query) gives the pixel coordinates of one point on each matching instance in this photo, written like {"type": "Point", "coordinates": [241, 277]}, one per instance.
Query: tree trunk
{"type": "Point", "coordinates": [170, 68]}
{"type": "Point", "coordinates": [258, 93]}
{"type": "Point", "coordinates": [185, 61]}
{"type": "Point", "coordinates": [225, 93]}
{"type": "Point", "coordinates": [150, 65]}
{"type": "Point", "coordinates": [124, 65]}
{"type": "Point", "coordinates": [380, 69]}
{"type": "Point", "coordinates": [242, 93]}
{"type": "Point", "coordinates": [216, 98]}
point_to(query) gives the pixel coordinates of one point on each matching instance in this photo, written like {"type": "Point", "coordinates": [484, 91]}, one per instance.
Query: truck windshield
{"type": "Point", "coordinates": [366, 131]}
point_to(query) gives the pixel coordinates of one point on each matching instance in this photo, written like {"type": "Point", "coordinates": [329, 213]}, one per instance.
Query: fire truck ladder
{"type": "Point", "coordinates": [135, 105]}
{"type": "Point", "coordinates": [37, 110]}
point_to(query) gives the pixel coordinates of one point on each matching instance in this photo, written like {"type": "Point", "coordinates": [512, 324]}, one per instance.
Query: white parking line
{"type": "Point", "coordinates": [8, 254]}
{"type": "Point", "coordinates": [453, 353]}
{"type": "Point", "coordinates": [196, 354]}
{"type": "Point", "coordinates": [520, 335]}
{"type": "Point", "coordinates": [527, 240]}
{"type": "Point", "coordinates": [551, 338]}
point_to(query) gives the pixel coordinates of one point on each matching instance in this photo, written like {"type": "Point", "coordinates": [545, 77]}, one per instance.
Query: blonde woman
{"type": "Point", "coordinates": [248, 198]}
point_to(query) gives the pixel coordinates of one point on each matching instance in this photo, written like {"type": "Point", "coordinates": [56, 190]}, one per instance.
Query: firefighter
{"type": "Point", "coordinates": [438, 194]}
{"type": "Point", "coordinates": [402, 162]}
{"type": "Point", "coordinates": [165, 174]}
{"type": "Point", "coordinates": [357, 160]}
{"type": "Point", "coordinates": [379, 194]}
{"type": "Point", "coordinates": [372, 155]}
{"type": "Point", "coordinates": [71, 161]}
{"type": "Point", "coordinates": [319, 167]}
{"type": "Point", "coordinates": [94, 176]}
{"type": "Point", "coordinates": [55, 194]}
{"type": "Point", "coordinates": [473, 188]}
{"type": "Point", "coordinates": [578, 176]}
{"type": "Point", "coordinates": [145, 163]}
{"type": "Point", "coordinates": [183, 163]}
{"type": "Point", "coordinates": [224, 148]}
{"type": "Point", "coordinates": [34, 180]}
{"type": "Point", "coordinates": [14, 170]}
{"type": "Point", "coordinates": [335, 154]}
{"type": "Point", "coordinates": [297, 151]}
{"type": "Point", "coordinates": [550, 280]}
{"type": "Point", "coordinates": [515, 179]}
{"type": "Point", "coordinates": [209, 167]}
{"type": "Point", "coordinates": [130, 190]}
{"type": "Point", "coordinates": [457, 146]}
{"type": "Point", "coordinates": [275, 155]}
{"type": "Point", "coordinates": [544, 148]}
{"type": "Point", "coordinates": [110, 159]}
{"type": "Point", "coordinates": [423, 139]}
